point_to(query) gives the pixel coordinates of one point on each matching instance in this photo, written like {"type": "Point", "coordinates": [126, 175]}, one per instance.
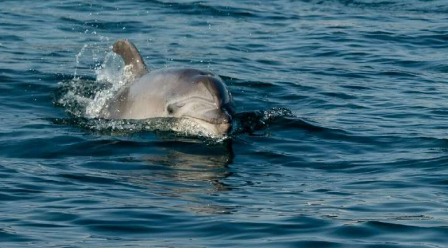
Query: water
{"type": "Point", "coordinates": [341, 105]}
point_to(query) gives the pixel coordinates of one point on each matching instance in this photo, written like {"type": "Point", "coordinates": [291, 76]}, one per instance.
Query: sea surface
{"type": "Point", "coordinates": [340, 138]}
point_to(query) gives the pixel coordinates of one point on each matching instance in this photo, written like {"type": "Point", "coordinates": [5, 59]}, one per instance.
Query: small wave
{"type": "Point", "coordinates": [417, 6]}
{"type": "Point", "coordinates": [249, 122]}
{"type": "Point", "coordinates": [125, 127]}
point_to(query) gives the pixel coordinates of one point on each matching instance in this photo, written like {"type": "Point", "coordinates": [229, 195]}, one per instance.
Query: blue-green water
{"type": "Point", "coordinates": [343, 111]}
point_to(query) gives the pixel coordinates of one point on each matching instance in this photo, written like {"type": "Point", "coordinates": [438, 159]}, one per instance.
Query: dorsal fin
{"type": "Point", "coordinates": [130, 55]}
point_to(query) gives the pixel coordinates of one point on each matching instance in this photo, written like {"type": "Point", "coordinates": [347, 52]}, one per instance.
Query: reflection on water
{"type": "Point", "coordinates": [190, 171]}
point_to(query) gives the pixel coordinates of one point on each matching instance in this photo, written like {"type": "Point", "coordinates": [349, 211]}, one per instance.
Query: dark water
{"type": "Point", "coordinates": [360, 161]}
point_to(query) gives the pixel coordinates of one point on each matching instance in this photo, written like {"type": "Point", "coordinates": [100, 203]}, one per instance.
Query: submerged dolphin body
{"type": "Point", "coordinates": [187, 94]}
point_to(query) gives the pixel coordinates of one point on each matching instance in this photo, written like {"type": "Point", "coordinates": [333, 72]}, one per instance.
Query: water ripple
{"type": "Point", "coordinates": [340, 133]}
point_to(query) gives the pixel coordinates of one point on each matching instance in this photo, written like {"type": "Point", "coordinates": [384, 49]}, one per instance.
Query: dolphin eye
{"type": "Point", "coordinates": [170, 109]}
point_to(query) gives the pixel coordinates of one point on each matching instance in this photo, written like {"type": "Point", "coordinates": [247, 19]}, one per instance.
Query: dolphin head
{"type": "Point", "coordinates": [206, 102]}
{"type": "Point", "coordinates": [185, 94]}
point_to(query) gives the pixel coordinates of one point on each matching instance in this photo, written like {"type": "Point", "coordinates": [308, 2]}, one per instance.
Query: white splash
{"type": "Point", "coordinates": [77, 56]}
{"type": "Point", "coordinates": [111, 71]}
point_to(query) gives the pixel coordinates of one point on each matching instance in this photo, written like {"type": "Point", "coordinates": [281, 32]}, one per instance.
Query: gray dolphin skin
{"type": "Point", "coordinates": [198, 96]}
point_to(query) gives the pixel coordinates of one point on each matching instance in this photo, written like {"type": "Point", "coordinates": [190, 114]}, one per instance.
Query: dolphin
{"type": "Point", "coordinates": [186, 94]}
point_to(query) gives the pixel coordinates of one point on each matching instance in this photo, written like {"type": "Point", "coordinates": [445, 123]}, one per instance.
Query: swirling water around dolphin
{"type": "Point", "coordinates": [342, 140]}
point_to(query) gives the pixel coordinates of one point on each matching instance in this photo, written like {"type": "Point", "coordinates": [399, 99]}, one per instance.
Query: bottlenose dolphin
{"type": "Point", "coordinates": [191, 94]}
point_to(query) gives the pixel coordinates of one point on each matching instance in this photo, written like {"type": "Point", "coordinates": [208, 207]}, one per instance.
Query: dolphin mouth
{"type": "Point", "coordinates": [216, 126]}
{"type": "Point", "coordinates": [214, 116]}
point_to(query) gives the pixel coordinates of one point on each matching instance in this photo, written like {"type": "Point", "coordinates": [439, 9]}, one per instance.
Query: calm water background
{"type": "Point", "coordinates": [361, 162]}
